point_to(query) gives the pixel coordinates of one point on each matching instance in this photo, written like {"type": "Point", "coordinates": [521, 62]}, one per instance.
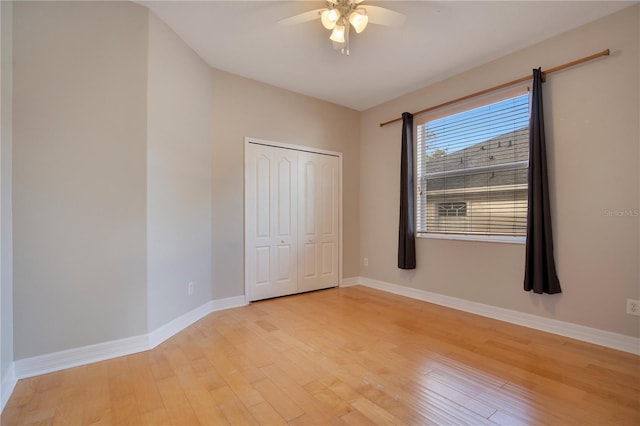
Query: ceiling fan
{"type": "Point", "coordinates": [340, 15]}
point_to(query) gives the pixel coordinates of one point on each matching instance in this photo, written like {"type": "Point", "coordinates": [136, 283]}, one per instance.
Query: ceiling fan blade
{"type": "Point", "coordinates": [381, 16]}
{"type": "Point", "coordinates": [301, 18]}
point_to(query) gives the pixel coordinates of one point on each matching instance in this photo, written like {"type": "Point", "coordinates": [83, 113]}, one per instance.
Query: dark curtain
{"type": "Point", "coordinates": [540, 268]}
{"type": "Point", "coordinates": [406, 234]}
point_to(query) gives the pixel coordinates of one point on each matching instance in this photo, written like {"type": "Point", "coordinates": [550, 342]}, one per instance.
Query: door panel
{"type": "Point", "coordinates": [327, 189]}
{"type": "Point", "coordinates": [271, 220]}
{"type": "Point", "coordinates": [327, 259]}
{"type": "Point", "coordinates": [284, 263]}
{"type": "Point", "coordinates": [309, 256]}
{"type": "Point", "coordinates": [263, 265]}
{"type": "Point", "coordinates": [263, 192]}
{"type": "Point", "coordinates": [309, 202]}
{"type": "Point", "coordinates": [285, 175]}
{"type": "Point", "coordinates": [318, 200]}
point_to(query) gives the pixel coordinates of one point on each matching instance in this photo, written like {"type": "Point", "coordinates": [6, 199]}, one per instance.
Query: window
{"type": "Point", "coordinates": [472, 168]}
{"type": "Point", "coordinates": [452, 209]}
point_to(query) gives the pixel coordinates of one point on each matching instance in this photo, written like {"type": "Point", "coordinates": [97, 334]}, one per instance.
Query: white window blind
{"type": "Point", "coordinates": [472, 168]}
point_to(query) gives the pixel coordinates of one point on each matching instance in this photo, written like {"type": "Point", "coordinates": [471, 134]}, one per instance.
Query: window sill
{"type": "Point", "coordinates": [482, 238]}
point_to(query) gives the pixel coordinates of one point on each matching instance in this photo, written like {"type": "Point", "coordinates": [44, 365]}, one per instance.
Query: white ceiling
{"type": "Point", "coordinates": [438, 39]}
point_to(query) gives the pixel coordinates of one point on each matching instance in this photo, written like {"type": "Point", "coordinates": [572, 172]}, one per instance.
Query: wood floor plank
{"type": "Point", "coordinates": [235, 379]}
{"type": "Point", "coordinates": [234, 411]}
{"type": "Point", "coordinates": [321, 411]}
{"type": "Point", "coordinates": [124, 411]}
{"type": "Point", "coordinates": [356, 418]}
{"type": "Point", "coordinates": [351, 356]}
{"type": "Point", "coordinates": [266, 414]}
{"type": "Point", "coordinates": [120, 379]}
{"type": "Point", "coordinates": [285, 406]}
{"type": "Point", "coordinates": [97, 408]}
{"type": "Point", "coordinates": [329, 398]}
{"type": "Point", "coordinates": [145, 389]}
{"type": "Point", "coordinates": [97, 413]}
{"type": "Point", "coordinates": [176, 403]}
{"type": "Point", "coordinates": [157, 417]}
{"type": "Point", "coordinates": [198, 393]}
{"type": "Point", "coordinates": [375, 413]}
{"type": "Point", "coordinates": [69, 413]}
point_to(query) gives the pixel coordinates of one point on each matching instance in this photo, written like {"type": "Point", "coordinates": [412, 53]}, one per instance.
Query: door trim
{"type": "Point", "coordinates": [256, 141]}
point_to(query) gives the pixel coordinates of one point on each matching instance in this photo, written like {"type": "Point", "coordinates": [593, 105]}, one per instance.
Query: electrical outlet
{"type": "Point", "coordinates": [365, 261]}
{"type": "Point", "coordinates": [190, 288]}
{"type": "Point", "coordinates": [633, 307]}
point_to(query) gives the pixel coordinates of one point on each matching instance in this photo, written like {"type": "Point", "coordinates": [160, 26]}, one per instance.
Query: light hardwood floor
{"type": "Point", "coordinates": [343, 356]}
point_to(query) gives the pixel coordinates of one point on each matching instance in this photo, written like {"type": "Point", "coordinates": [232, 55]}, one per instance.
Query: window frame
{"type": "Point", "coordinates": [447, 207]}
{"type": "Point", "coordinates": [460, 107]}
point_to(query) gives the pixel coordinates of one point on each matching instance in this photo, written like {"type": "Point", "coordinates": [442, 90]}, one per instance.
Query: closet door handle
{"type": "Point", "coordinates": [311, 241]}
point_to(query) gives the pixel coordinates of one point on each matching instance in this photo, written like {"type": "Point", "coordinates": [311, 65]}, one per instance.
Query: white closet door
{"type": "Point", "coordinates": [271, 215]}
{"type": "Point", "coordinates": [318, 222]}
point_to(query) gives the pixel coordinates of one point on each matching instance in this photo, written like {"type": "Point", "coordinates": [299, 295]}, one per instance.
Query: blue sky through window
{"type": "Point", "coordinates": [459, 131]}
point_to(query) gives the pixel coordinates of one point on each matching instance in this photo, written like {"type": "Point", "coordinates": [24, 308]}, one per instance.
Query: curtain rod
{"type": "Point", "coordinates": [504, 85]}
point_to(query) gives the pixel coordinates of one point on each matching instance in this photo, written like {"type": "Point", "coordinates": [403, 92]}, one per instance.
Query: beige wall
{"type": "Point", "coordinates": [245, 107]}
{"type": "Point", "coordinates": [128, 172]}
{"type": "Point", "coordinates": [179, 105]}
{"type": "Point", "coordinates": [593, 148]}
{"type": "Point", "coordinates": [6, 243]}
{"type": "Point", "coordinates": [79, 186]}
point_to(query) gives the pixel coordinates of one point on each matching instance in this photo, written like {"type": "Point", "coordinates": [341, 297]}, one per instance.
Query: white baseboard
{"type": "Point", "coordinates": [348, 282]}
{"type": "Point", "coordinates": [608, 339]}
{"type": "Point", "coordinates": [8, 384]}
{"type": "Point", "coordinates": [42, 364]}
{"type": "Point", "coordinates": [161, 334]}
{"type": "Point", "coordinates": [228, 303]}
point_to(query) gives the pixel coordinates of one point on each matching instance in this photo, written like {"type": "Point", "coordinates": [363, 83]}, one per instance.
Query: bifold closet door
{"type": "Point", "coordinates": [318, 221]}
{"type": "Point", "coordinates": [271, 213]}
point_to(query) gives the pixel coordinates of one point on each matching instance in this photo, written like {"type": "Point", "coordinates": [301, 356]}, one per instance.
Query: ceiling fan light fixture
{"type": "Point", "coordinates": [359, 20]}
{"type": "Point", "coordinates": [329, 18]}
{"type": "Point", "coordinates": [337, 34]}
